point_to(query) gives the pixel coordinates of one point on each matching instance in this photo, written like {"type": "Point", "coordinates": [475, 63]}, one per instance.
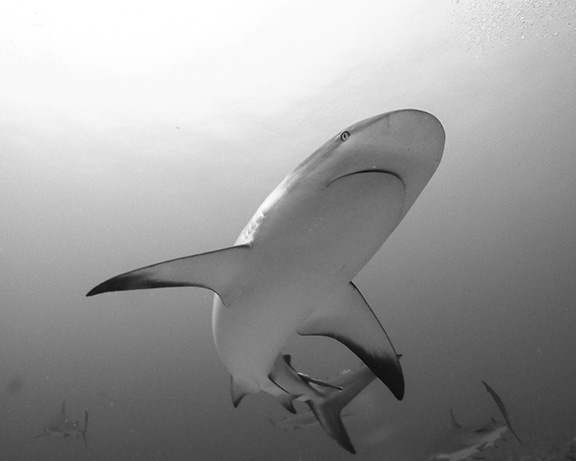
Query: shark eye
{"type": "Point", "coordinates": [344, 135]}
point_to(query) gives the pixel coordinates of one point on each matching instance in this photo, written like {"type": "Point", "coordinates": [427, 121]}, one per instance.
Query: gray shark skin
{"type": "Point", "coordinates": [291, 268]}
{"type": "Point", "coordinates": [468, 442]}
{"type": "Point", "coordinates": [62, 427]}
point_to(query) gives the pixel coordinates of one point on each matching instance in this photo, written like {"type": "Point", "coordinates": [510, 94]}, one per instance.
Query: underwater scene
{"type": "Point", "coordinates": [289, 231]}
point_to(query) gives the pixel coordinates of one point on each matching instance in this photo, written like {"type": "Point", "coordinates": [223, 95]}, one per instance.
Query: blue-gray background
{"type": "Point", "coordinates": [132, 134]}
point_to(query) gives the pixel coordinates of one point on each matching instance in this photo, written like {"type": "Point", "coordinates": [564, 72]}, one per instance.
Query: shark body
{"type": "Point", "coordinates": [290, 269]}
{"type": "Point", "coordinates": [62, 427]}
{"type": "Point", "coordinates": [467, 442]}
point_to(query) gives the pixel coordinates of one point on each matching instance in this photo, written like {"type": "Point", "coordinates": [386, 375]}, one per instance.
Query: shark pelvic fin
{"type": "Point", "coordinates": [350, 320]}
{"type": "Point", "coordinates": [216, 270]}
{"type": "Point", "coordinates": [239, 390]}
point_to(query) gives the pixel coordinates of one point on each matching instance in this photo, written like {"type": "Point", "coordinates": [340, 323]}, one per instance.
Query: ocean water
{"type": "Point", "coordinates": [134, 134]}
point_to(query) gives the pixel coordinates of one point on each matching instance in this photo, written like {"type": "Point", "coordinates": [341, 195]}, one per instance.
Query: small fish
{"type": "Point", "coordinates": [464, 442]}
{"type": "Point", "coordinates": [62, 427]}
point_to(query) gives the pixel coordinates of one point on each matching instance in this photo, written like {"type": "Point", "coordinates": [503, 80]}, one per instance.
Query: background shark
{"type": "Point", "coordinates": [62, 427]}
{"type": "Point", "coordinates": [290, 269]}
{"type": "Point", "coordinates": [464, 442]}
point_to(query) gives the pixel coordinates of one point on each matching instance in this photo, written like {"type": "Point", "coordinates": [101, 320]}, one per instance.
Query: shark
{"type": "Point", "coordinates": [291, 268]}
{"type": "Point", "coordinates": [338, 393]}
{"type": "Point", "coordinates": [62, 427]}
{"type": "Point", "coordinates": [468, 442]}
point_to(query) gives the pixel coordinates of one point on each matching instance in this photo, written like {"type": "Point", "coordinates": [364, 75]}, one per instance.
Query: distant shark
{"type": "Point", "coordinates": [290, 269]}
{"type": "Point", "coordinates": [61, 427]}
{"type": "Point", "coordinates": [338, 393]}
{"type": "Point", "coordinates": [466, 442]}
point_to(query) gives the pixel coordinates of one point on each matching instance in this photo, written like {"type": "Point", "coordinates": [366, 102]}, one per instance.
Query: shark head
{"type": "Point", "coordinates": [407, 144]}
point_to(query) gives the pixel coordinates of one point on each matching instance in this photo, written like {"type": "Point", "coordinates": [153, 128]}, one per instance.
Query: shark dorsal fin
{"type": "Point", "coordinates": [453, 421]}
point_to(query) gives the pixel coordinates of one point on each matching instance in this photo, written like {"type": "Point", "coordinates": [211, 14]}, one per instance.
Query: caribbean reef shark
{"type": "Point", "coordinates": [291, 268]}
{"type": "Point", "coordinates": [467, 442]}
{"type": "Point", "coordinates": [338, 393]}
{"type": "Point", "coordinates": [61, 427]}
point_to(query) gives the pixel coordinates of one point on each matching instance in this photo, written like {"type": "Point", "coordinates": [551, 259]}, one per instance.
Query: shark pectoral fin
{"type": "Point", "coordinates": [216, 270]}
{"type": "Point", "coordinates": [350, 320]}
{"type": "Point", "coordinates": [329, 418]}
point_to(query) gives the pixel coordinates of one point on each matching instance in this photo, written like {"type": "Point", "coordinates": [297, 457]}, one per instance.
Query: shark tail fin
{"type": "Point", "coordinates": [85, 428]}
{"type": "Point", "coordinates": [327, 412]}
{"type": "Point", "coordinates": [502, 409]}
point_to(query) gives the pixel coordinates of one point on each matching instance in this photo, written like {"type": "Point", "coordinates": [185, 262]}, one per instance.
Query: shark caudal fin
{"type": "Point", "coordinates": [216, 270]}
{"type": "Point", "coordinates": [502, 409]}
{"type": "Point", "coordinates": [85, 428]}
